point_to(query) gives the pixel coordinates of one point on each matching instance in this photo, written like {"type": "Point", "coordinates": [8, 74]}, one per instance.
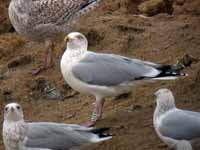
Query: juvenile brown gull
{"type": "Point", "coordinates": [104, 75]}
{"type": "Point", "coordinates": [176, 127]}
{"type": "Point", "coordinates": [47, 20]}
{"type": "Point", "coordinates": [19, 135]}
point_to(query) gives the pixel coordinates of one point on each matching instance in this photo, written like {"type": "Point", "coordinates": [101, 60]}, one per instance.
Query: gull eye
{"type": "Point", "coordinates": [6, 108]}
{"type": "Point", "coordinates": [79, 37]}
{"type": "Point", "coordinates": [18, 107]}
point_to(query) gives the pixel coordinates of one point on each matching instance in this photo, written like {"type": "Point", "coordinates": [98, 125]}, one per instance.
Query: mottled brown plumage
{"type": "Point", "coordinates": [47, 20]}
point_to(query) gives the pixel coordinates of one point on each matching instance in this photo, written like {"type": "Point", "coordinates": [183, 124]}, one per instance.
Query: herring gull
{"type": "Point", "coordinates": [47, 20]}
{"type": "Point", "coordinates": [104, 75]}
{"type": "Point", "coordinates": [175, 127]}
{"type": "Point", "coordinates": [20, 135]}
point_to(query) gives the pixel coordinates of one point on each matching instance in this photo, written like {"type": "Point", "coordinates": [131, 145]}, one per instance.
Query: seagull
{"type": "Point", "coordinates": [47, 21]}
{"type": "Point", "coordinates": [104, 75]}
{"type": "Point", "coordinates": [175, 127]}
{"type": "Point", "coordinates": [20, 135]}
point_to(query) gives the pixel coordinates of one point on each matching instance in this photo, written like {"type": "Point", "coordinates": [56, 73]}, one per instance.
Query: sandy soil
{"type": "Point", "coordinates": [162, 38]}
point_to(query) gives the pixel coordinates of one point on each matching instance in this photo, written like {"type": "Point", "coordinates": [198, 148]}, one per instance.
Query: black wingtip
{"type": "Point", "coordinates": [100, 130]}
{"type": "Point", "coordinates": [169, 71]}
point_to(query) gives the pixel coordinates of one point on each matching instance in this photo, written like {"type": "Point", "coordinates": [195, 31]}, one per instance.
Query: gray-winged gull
{"type": "Point", "coordinates": [19, 135]}
{"type": "Point", "coordinates": [104, 75]}
{"type": "Point", "coordinates": [175, 127]}
{"type": "Point", "coordinates": [47, 20]}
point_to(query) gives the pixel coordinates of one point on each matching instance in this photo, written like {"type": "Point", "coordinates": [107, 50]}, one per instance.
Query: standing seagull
{"type": "Point", "coordinates": [177, 128]}
{"type": "Point", "coordinates": [104, 75]}
{"type": "Point", "coordinates": [47, 20]}
{"type": "Point", "coordinates": [19, 135]}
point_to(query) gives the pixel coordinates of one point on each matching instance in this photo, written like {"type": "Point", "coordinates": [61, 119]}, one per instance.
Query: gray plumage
{"type": "Point", "coordinates": [20, 135]}
{"type": "Point", "coordinates": [59, 136]}
{"type": "Point", "coordinates": [181, 125]}
{"type": "Point", "coordinates": [104, 75]}
{"type": "Point", "coordinates": [183, 145]}
{"type": "Point", "coordinates": [176, 127]}
{"type": "Point", "coordinates": [112, 70]}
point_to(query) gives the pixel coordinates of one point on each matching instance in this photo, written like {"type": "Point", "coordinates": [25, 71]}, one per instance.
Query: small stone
{"type": "Point", "coordinates": [20, 61]}
{"type": "Point", "coordinates": [7, 94]}
{"type": "Point", "coordinates": [134, 107]}
{"type": "Point", "coordinates": [154, 7]}
{"type": "Point", "coordinates": [43, 88]}
{"type": "Point", "coordinates": [70, 116]}
{"type": "Point", "coordinates": [180, 2]}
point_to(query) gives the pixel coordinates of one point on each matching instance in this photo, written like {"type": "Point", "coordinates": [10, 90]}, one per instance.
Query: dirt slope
{"type": "Point", "coordinates": [161, 38]}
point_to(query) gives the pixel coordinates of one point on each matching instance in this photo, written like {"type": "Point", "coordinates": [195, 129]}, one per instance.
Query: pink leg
{"type": "Point", "coordinates": [97, 113]}
{"type": "Point", "coordinates": [99, 108]}
{"type": "Point", "coordinates": [48, 46]}
{"type": "Point", "coordinates": [52, 55]}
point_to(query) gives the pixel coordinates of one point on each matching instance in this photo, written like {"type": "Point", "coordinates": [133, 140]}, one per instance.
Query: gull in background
{"type": "Point", "coordinates": [47, 21]}
{"type": "Point", "coordinates": [20, 135]}
{"type": "Point", "coordinates": [104, 75]}
{"type": "Point", "coordinates": [175, 127]}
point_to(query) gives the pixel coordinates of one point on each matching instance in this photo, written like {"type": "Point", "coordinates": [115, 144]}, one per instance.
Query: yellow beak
{"type": "Point", "coordinates": [66, 39]}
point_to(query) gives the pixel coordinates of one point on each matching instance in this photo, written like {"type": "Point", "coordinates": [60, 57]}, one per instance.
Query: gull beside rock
{"type": "Point", "coordinates": [104, 75]}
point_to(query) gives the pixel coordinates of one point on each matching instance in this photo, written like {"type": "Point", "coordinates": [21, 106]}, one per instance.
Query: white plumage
{"type": "Point", "coordinates": [104, 75]}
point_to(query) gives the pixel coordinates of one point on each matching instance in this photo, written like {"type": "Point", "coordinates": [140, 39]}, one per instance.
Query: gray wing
{"type": "Point", "coordinates": [181, 125]}
{"type": "Point", "coordinates": [56, 136]}
{"type": "Point", "coordinates": [111, 70]}
{"type": "Point", "coordinates": [55, 12]}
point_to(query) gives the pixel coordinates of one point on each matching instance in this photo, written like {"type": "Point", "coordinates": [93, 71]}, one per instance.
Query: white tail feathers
{"type": "Point", "coordinates": [97, 139]}
{"type": "Point", "coordinates": [165, 78]}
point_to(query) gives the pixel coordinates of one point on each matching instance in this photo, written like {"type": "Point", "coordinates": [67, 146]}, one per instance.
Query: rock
{"type": "Point", "coordinates": [122, 96]}
{"type": "Point", "coordinates": [180, 2]}
{"type": "Point", "coordinates": [153, 7]}
{"type": "Point", "coordinates": [129, 28]}
{"type": "Point", "coordinates": [4, 75]}
{"type": "Point", "coordinates": [186, 61]}
{"type": "Point", "coordinates": [9, 43]}
{"type": "Point", "coordinates": [7, 94]}
{"type": "Point", "coordinates": [43, 88]}
{"type": "Point", "coordinates": [134, 107]}
{"type": "Point", "coordinates": [95, 36]}
{"type": "Point", "coordinates": [20, 61]}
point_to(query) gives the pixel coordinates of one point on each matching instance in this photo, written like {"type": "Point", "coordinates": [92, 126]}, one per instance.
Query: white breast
{"type": "Point", "coordinates": [12, 140]}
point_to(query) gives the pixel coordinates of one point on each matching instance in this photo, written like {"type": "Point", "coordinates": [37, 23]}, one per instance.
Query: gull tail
{"type": "Point", "coordinates": [100, 135]}
{"type": "Point", "coordinates": [168, 72]}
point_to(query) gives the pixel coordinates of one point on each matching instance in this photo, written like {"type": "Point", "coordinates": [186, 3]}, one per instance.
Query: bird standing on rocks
{"type": "Point", "coordinates": [104, 75]}
{"type": "Point", "coordinates": [47, 20]}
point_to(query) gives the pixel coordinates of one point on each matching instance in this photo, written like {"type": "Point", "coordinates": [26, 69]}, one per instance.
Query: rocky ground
{"type": "Point", "coordinates": [115, 29]}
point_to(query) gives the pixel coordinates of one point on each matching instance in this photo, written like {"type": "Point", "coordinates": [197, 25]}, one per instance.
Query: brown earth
{"type": "Point", "coordinates": [162, 39]}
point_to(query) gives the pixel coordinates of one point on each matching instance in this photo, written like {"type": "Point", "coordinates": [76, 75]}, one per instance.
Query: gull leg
{"type": "Point", "coordinates": [99, 108]}
{"type": "Point", "coordinates": [52, 55]}
{"type": "Point", "coordinates": [97, 112]}
{"type": "Point", "coordinates": [48, 46]}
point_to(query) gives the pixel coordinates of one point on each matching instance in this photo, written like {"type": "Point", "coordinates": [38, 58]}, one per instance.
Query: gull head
{"type": "Point", "coordinates": [13, 112]}
{"type": "Point", "coordinates": [76, 41]}
{"type": "Point", "coordinates": [165, 99]}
